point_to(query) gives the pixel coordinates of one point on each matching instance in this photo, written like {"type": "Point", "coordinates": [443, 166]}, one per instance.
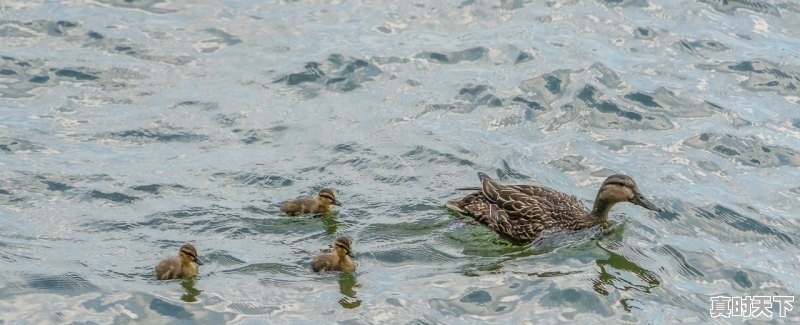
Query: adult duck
{"type": "Point", "coordinates": [521, 212]}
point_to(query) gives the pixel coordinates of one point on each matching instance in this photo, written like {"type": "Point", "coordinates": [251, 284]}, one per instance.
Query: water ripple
{"type": "Point", "coordinates": [748, 151]}
{"type": "Point", "coordinates": [67, 284]}
{"type": "Point", "coordinates": [144, 136]}
{"type": "Point", "coordinates": [123, 136]}
{"type": "Point", "coordinates": [337, 73]}
{"type": "Point", "coordinates": [472, 54]}
{"type": "Point", "coordinates": [763, 75]}
{"type": "Point", "coordinates": [730, 7]}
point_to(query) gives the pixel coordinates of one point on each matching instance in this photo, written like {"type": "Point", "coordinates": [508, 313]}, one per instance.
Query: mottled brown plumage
{"type": "Point", "coordinates": [521, 212]}
{"type": "Point", "coordinates": [317, 205]}
{"type": "Point", "coordinates": [181, 266]}
{"type": "Point", "coordinates": [338, 261]}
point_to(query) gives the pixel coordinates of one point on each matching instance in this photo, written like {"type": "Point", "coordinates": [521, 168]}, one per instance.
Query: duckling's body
{"type": "Point", "coordinates": [181, 266]}
{"type": "Point", "coordinates": [305, 205]}
{"type": "Point", "coordinates": [320, 204]}
{"type": "Point", "coordinates": [338, 261]}
{"type": "Point", "coordinates": [521, 212]}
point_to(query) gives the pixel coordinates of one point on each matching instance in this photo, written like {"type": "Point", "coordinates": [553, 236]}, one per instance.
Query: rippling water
{"type": "Point", "coordinates": [131, 127]}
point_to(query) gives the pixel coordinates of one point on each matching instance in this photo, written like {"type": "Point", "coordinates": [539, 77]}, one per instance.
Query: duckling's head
{"type": "Point", "coordinates": [326, 197]}
{"type": "Point", "coordinates": [188, 254]}
{"type": "Point", "coordinates": [622, 188]}
{"type": "Point", "coordinates": [342, 247]}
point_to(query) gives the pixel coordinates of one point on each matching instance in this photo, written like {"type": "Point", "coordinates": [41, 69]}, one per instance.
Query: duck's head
{"type": "Point", "coordinates": [327, 197]}
{"type": "Point", "coordinates": [622, 188]}
{"type": "Point", "coordinates": [342, 247]}
{"type": "Point", "coordinates": [188, 255]}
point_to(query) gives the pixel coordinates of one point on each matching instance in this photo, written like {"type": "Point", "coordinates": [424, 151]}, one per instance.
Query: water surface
{"type": "Point", "coordinates": [131, 127]}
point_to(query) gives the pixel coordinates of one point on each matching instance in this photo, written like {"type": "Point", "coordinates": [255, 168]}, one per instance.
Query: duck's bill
{"type": "Point", "coordinates": [337, 202]}
{"type": "Point", "coordinates": [645, 203]}
{"type": "Point", "coordinates": [349, 253]}
{"type": "Point", "coordinates": [198, 261]}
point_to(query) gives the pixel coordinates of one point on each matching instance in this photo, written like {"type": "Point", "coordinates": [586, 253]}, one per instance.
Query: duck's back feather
{"type": "Point", "coordinates": [323, 263]}
{"type": "Point", "coordinates": [521, 212]}
{"type": "Point", "coordinates": [300, 206]}
{"type": "Point", "coordinates": [168, 269]}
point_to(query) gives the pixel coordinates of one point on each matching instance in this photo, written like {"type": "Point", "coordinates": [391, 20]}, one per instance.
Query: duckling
{"type": "Point", "coordinates": [318, 205]}
{"type": "Point", "coordinates": [521, 212]}
{"type": "Point", "coordinates": [340, 260]}
{"type": "Point", "coordinates": [181, 266]}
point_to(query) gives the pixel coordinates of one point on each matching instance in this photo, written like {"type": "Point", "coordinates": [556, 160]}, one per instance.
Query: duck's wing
{"type": "Point", "coordinates": [559, 205]}
{"type": "Point", "coordinates": [167, 269]}
{"type": "Point", "coordinates": [519, 212]}
{"type": "Point", "coordinates": [321, 263]}
{"type": "Point", "coordinates": [527, 204]}
{"type": "Point", "coordinates": [493, 217]}
{"type": "Point", "coordinates": [483, 211]}
{"type": "Point", "coordinates": [533, 190]}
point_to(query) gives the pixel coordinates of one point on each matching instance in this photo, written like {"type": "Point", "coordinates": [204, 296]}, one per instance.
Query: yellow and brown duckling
{"type": "Point", "coordinates": [340, 260]}
{"type": "Point", "coordinates": [317, 205]}
{"type": "Point", "coordinates": [521, 212]}
{"type": "Point", "coordinates": [182, 266]}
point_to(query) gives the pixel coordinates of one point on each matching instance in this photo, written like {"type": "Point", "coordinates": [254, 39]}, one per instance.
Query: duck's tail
{"type": "Point", "coordinates": [455, 205]}
{"type": "Point", "coordinates": [458, 205]}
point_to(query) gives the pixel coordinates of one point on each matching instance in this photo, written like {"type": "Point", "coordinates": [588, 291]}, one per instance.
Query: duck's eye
{"type": "Point", "coordinates": [617, 183]}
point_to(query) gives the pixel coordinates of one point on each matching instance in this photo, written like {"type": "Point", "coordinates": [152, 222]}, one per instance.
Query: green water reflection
{"type": "Point", "coordinates": [347, 285]}
{"type": "Point", "coordinates": [189, 284]}
{"type": "Point", "coordinates": [329, 223]}
{"type": "Point", "coordinates": [612, 273]}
